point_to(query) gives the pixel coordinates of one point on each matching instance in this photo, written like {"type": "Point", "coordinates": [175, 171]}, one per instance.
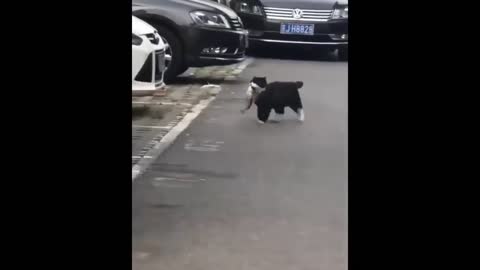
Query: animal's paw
{"type": "Point", "coordinates": [301, 115]}
{"type": "Point", "coordinates": [260, 122]}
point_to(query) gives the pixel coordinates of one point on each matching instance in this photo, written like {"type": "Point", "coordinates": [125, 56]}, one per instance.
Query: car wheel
{"type": "Point", "coordinates": [182, 69]}
{"type": "Point", "coordinates": [343, 54]}
{"type": "Point", "coordinates": [173, 54]}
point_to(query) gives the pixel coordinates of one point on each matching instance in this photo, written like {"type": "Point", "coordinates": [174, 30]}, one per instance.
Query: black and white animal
{"type": "Point", "coordinates": [274, 96]}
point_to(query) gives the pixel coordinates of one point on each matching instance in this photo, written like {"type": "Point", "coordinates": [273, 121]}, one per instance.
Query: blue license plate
{"type": "Point", "coordinates": [297, 29]}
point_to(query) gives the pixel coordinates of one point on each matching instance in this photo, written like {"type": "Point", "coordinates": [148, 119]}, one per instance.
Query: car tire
{"type": "Point", "coordinates": [176, 65]}
{"type": "Point", "coordinates": [342, 54]}
{"type": "Point", "coordinates": [182, 69]}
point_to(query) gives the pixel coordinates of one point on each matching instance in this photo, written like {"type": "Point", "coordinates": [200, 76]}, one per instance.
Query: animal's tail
{"type": "Point", "coordinates": [299, 84]}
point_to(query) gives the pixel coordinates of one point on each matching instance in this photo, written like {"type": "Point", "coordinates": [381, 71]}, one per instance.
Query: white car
{"type": "Point", "coordinates": [148, 58]}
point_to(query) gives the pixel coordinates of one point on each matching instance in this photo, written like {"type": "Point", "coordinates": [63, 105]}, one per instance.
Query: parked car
{"type": "Point", "coordinates": [305, 22]}
{"type": "Point", "coordinates": [148, 58]}
{"type": "Point", "coordinates": [197, 33]}
{"type": "Point", "coordinates": [223, 2]}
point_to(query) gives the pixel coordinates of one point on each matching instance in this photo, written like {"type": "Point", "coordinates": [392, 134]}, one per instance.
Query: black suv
{"type": "Point", "coordinates": [305, 22]}
{"type": "Point", "coordinates": [197, 33]}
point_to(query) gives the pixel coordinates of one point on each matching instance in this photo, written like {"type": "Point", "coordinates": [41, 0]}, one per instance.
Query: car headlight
{"type": "Point", "coordinates": [248, 7]}
{"type": "Point", "coordinates": [340, 13]}
{"type": "Point", "coordinates": [136, 40]}
{"type": "Point", "coordinates": [209, 19]}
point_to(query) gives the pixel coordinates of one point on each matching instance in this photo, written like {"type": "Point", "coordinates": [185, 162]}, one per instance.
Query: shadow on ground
{"type": "Point", "coordinates": [139, 112]}
{"type": "Point", "coordinates": [153, 111]}
{"type": "Point", "coordinates": [187, 79]}
{"type": "Point", "coordinates": [289, 52]}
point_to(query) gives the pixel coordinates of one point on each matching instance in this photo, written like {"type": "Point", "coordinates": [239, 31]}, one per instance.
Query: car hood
{"type": "Point", "coordinates": [229, 12]}
{"type": "Point", "coordinates": [140, 27]}
{"type": "Point", "coordinates": [189, 5]}
{"type": "Point", "coordinates": [303, 4]}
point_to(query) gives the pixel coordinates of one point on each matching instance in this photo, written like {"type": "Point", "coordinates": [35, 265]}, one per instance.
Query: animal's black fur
{"type": "Point", "coordinates": [277, 96]}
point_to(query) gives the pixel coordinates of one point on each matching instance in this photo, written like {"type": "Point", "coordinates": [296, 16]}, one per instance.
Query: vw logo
{"type": "Point", "coordinates": [297, 13]}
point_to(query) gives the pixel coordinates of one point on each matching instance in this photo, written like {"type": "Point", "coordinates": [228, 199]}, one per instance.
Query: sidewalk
{"type": "Point", "coordinates": [154, 116]}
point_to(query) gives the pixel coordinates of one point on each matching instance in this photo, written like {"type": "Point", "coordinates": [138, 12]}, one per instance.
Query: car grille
{"type": "Point", "coordinates": [236, 24]}
{"type": "Point", "coordinates": [153, 39]}
{"type": "Point", "coordinates": [159, 65]}
{"type": "Point", "coordinates": [145, 73]}
{"type": "Point", "coordinates": [287, 14]}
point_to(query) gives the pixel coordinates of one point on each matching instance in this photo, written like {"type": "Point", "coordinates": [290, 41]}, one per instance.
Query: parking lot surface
{"type": "Point", "coordinates": [232, 194]}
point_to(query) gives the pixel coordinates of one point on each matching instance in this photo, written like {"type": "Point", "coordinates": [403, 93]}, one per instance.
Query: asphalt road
{"type": "Point", "coordinates": [232, 194]}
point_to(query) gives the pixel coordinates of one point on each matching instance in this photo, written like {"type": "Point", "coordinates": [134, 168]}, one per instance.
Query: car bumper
{"type": "Point", "coordinates": [150, 76]}
{"type": "Point", "coordinates": [207, 47]}
{"type": "Point", "coordinates": [332, 33]}
{"type": "Point", "coordinates": [146, 89]}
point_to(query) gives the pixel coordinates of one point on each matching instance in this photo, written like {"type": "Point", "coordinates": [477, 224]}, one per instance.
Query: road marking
{"type": "Point", "coordinates": [160, 179]}
{"type": "Point", "coordinates": [141, 255]}
{"type": "Point", "coordinates": [204, 146]}
{"type": "Point", "coordinates": [200, 149]}
{"type": "Point", "coordinates": [152, 127]}
{"type": "Point", "coordinates": [161, 103]}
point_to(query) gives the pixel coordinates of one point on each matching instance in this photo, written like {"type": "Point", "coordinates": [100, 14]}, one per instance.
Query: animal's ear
{"type": "Point", "coordinates": [299, 84]}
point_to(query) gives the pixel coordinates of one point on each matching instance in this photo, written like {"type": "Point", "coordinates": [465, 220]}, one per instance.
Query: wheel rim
{"type": "Point", "coordinates": [168, 53]}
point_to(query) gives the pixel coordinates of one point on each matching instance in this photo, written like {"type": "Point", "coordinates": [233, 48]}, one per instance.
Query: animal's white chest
{"type": "Point", "coordinates": [249, 91]}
